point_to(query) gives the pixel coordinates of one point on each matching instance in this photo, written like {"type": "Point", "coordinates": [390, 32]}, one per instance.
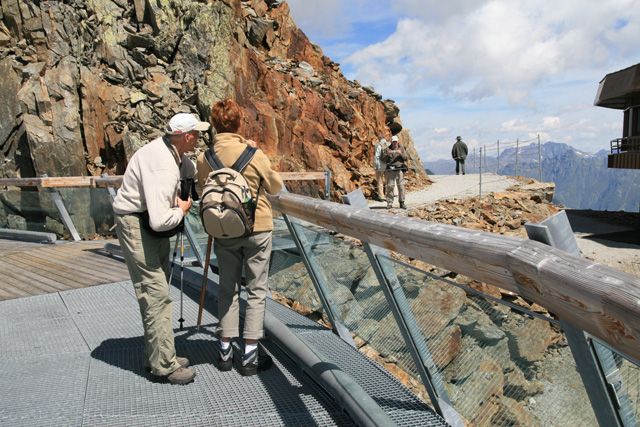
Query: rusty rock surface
{"type": "Point", "coordinates": [86, 83]}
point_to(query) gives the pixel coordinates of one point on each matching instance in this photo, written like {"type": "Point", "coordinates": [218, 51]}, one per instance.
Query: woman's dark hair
{"type": "Point", "coordinates": [226, 116]}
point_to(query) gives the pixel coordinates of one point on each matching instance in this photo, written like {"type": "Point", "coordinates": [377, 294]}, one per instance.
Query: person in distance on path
{"type": "Point", "coordinates": [147, 207]}
{"type": "Point", "coordinates": [379, 165]}
{"type": "Point", "coordinates": [253, 252]}
{"type": "Point", "coordinates": [459, 153]}
{"type": "Point", "coordinates": [395, 156]}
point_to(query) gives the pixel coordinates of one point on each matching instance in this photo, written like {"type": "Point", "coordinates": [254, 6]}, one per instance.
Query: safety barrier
{"type": "Point", "coordinates": [473, 356]}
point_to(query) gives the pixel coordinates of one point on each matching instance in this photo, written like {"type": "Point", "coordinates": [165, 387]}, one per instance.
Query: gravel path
{"type": "Point", "coordinates": [452, 186]}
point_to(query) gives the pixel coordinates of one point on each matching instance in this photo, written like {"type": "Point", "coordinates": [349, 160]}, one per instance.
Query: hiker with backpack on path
{"type": "Point", "coordinates": [252, 251]}
{"type": "Point", "coordinates": [148, 210]}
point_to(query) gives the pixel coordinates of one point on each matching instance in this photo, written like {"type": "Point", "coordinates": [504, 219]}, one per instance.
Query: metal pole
{"type": "Point", "coordinates": [474, 158]}
{"type": "Point", "coordinates": [485, 157]}
{"type": "Point", "coordinates": [498, 157]}
{"type": "Point", "coordinates": [327, 184]}
{"type": "Point", "coordinates": [181, 319]}
{"type": "Point", "coordinates": [480, 150]}
{"type": "Point", "coordinates": [539, 158]}
{"type": "Point", "coordinates": [203, 293]}
{"type": "Point", "coordinates": [517, 147]}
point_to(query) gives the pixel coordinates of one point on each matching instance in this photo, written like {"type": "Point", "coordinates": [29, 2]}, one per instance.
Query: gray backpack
{"type": "Point", "coordinates": [227, 209]}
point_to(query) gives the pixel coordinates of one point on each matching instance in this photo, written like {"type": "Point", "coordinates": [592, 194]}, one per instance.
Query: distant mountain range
{"type": "Point", "coordinates": [582, 179]}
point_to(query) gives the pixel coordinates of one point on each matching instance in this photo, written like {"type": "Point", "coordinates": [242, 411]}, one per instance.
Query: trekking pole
{"type": "Point", "coordinates": [181, 320]}
{"type": "Point", "coordinates": [173, 261]}
{"type": "Point", "coordinates": [204, 282]}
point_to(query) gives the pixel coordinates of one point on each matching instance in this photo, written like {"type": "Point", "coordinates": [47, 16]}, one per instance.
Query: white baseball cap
{"type": "Point", "coordinates": [394, 138]}
{"type": "Point", "coordinates": [185, 122]}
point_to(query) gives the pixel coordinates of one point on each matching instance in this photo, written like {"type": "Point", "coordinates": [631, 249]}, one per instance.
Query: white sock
{"type": "Point", "coordinates": [225, 344]}
{"type": "Point", "coordinates": [248, 348]}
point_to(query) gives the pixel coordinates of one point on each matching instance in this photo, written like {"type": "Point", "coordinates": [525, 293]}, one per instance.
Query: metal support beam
{"type": "Point", "coordinates": [406, 321]}
{"type": "Point", "coordinates": [327, 184]}
{"type": "Point", "coordinates": [599, 373]}
{"type": "Point", "coordinates": [64, 214]}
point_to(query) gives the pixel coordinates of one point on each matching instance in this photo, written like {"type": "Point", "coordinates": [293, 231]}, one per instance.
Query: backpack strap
{"type": "Point", "coordinates": [212, 158]}
{"type": "Point", "coordinates": [244, 159]}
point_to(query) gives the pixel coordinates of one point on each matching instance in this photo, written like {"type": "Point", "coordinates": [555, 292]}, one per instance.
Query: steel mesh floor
{"type": "Point", "coordinates": [75, 358]}
{"type": "Point", "coordinates": [404, 408]}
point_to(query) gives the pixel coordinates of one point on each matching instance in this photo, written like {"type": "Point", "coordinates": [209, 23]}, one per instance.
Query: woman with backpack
{"type": "Point", "coordinates": [252, 251]}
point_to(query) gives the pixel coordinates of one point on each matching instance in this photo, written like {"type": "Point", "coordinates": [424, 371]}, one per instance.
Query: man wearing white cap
{"type": "Point", "coordinates": [148, 208]}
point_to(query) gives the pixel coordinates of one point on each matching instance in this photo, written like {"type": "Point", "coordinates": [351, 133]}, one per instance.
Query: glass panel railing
{"type": "Point", "coordinates": [500, 365]}
{"type": "Point", "coordinates": [359, 300]}
{"type": "Point", "coordinates": [288, 274]}
{"type": "Point", "coordinates": [623, 376]}
{"type": "Point", "coordinates": [30, 210]}
{"type": "Point", "coordinates": [90, 211]}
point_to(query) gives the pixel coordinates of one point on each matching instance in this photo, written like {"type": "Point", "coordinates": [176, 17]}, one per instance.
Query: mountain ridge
{"type": "Point", "coordinates": [582, 179]}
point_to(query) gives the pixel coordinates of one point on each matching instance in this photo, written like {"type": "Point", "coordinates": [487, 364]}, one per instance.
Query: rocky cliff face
{"type": "Point", "coordinates": [86, 83]}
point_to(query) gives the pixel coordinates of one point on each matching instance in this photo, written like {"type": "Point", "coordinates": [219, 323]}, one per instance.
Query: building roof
{"type": "Point", "coordinates": [620, 90]}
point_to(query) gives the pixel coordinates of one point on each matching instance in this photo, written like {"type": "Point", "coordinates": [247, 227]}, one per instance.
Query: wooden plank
{"type": "Point", "coordinates": [301, 176]}
{"type": "Point", "coordinates": [75, 253]}
{"type": "Point", "coordinates": [77, 266]}
{"type": "Point", "coordinates": [49, 270]}
{"type": "Point", "coordinates": [21, 274]}
{"type": "Point", "coordinates": [20, 182]}
{"type": "Point", "coordinates": [33, 287]}
{"type": "Point", "coordinates": [10, 289]}
{"type": "Point", "coordinates": [86, 262]}
{"type": "Point", "coordinates": [6, 294]}
{"type": "Point", "coordinates": [65, 181]}
{"type": "Point", "coordinates": [600, 300]}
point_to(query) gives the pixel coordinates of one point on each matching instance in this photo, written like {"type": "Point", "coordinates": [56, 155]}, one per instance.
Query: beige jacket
{"type": "Point", "coordinates": [152, 182]}
{"type": "Point", "coordinates": [228, 147]}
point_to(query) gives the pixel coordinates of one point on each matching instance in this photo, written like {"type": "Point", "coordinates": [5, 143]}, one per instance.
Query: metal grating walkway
{"type": "Point", "coordinates": [75, 358]}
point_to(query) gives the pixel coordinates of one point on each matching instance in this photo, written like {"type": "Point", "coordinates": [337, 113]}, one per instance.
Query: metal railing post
{"type": "Point", "coordinates": [327, 185]}
{"type": "Point", "coordinates": [597, 368]}
{"type": "Point", "coordinates": [406, 321]}
{"type": "Point", "coordinates": [480, 173]}
{"type": "Point", "coordinates": [498, 157]}
{"type": "Point", "coordinates": [517, 148]}
{"type": "Point", "coordinates": [64, 214]}
{"type": "Point", "coordinates": [539, 158]}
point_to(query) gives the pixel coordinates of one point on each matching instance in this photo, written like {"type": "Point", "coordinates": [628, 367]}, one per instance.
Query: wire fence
{"type": "Point", "coordinates": [519, 157]}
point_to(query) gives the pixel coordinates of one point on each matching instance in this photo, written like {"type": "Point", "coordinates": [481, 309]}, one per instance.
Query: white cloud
{"type": "Point", "coordinates": [498, 48]}
{"type": "Point", "coordinates": [485, 69]}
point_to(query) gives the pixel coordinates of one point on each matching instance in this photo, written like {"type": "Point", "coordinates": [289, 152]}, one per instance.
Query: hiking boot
{"type": "Point", "coordinates": [402, 205]}
{"type": "Point", "coordinates": [182, 361]}
{"type": "Point", "coordinates": [389, 205]}
{"type": "Point", "coordinates": [179, 376]}
{"type": "Point", "coordinates": [225, 358]}
{"type": "Point", "coordinates": [252, 362]}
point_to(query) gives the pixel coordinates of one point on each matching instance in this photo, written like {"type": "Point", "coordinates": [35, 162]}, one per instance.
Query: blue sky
{"type": "Point", "coordinates": [487, 70]}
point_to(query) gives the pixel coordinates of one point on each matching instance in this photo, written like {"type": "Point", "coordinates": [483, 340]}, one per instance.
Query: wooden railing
{"type": "Point", "coordinates": [600, 300]}
{"type": "Point", "coordinates": [116, 180]}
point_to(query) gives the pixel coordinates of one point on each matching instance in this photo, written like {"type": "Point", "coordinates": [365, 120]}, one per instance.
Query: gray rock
{"type": "Point", "coordinates": [306, 68]}
{"type": "Point", "coordinates": [257, 30]}
{"type": "Point", "coordinates": [9, 107]}
{"type": "Point", "coordinates": [16, 222]}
